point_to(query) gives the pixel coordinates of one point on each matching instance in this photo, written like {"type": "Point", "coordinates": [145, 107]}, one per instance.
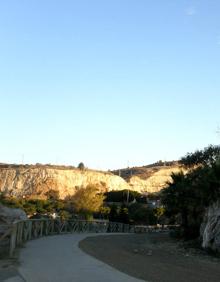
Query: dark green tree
{"type": "Point", "coordinates": [187, 195]}
{"type": "Point", "coordinates": [123, 215]}
{"type": "Point", "coordinates": [113, 215]}
{"type": "Point", "coordinates": [207, 156]}
{"type": "Point", "coordinates": [81, 166]}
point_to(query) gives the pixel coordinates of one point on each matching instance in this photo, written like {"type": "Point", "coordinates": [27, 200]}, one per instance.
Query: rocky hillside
{"type": "Point", "coordinates": [144, 172]}
{"type": "Point", "coordinates": [151, 178]}
{"type": "Point", "coordinates": [37, 180]}
{"type": "Point", "coordinates": [155, 182]}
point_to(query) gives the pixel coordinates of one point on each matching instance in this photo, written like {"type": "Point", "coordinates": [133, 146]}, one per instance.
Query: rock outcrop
{"type": "Point", "coordinates": [156, 180]}
{"type": "Point", "coordinates": [210, 228]}
{"type": "Point", "coordinates": [35, 181]}
{"type": "Point", "coordinates": [7, 217]}
{"type": "Point", "coordinates": [10, 215]}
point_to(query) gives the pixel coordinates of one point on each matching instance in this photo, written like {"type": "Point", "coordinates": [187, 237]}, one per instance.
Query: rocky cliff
{"type": "Point", "coordinates": [156, 180]}
{"type": "Point", "coordinates": [20, 181]}
{"type": "Point", "coordinates": [151, 178]}
{"type": "Point", "coordinates": [36, 181]}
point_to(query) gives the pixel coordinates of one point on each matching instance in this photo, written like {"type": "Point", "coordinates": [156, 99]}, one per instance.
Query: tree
{"type": "Point", "coordinates": [122, 196]}
{"type": "Point", "coordinates": [188, 195]}
{"type": "Point", "coordinates": [104, 212]}
{"type": "Point", "coordinates": [141, 214]}
{"type": "Point", "coordinates": [64, 215]}
{"type": "Point", "coordinates": [208, 156]}
{"type": "Point", "coordinates": [158, 213]}
{"type": "Point", "coordinates": [81, 166]}
{"type": "Point", "coordinates": [123, 215]}
{"type": "Point", "coordinates": [87, 200]}
{"type": "Point", "coordinates": [113, 215]}
{"type": "Point", "coordinates": [29, 208]}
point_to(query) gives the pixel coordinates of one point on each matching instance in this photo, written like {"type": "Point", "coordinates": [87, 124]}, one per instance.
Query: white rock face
{"type": "Point", "coordinates": [34, 181]}
{"type": "Point", "coordinates": [155, 182]}
{"type": "Point", "coordinates": [210, 229]}
{"type": "Point", "coordinates": [19, 182]}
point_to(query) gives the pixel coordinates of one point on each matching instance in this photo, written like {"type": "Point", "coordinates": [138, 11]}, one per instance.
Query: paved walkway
{"type": "Point", "coordinates": [58, 259]}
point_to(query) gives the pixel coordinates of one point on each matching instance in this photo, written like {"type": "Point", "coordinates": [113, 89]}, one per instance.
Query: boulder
{"type": "Point", "coordinates": [210, 228]}
{"type": "Point", "coordinates": [7, 217]}
{"type": "Point", "coordinates": [10, 215]}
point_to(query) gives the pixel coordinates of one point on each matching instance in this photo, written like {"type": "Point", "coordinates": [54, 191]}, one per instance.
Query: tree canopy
{"type": "Point", "coordinates": [87, 200]}
{"type": "Point", "coordinates": [188, 195]}
{"type": "Point", "coordinates": [207, 156]}
{"type": "Point", "coordinates": [81, 166]}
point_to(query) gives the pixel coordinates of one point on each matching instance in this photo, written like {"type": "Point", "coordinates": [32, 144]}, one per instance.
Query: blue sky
{"type": "Point", "coordinates": [110, 83]}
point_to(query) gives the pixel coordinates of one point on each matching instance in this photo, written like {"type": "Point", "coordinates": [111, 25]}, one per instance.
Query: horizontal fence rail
{"type": "Point", "coordinates": [7, 229]}
{"type": "Point", "coordinates": [23, 231]}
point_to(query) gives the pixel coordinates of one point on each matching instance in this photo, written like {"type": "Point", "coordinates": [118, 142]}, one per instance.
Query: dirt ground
{"type": "Point", "coordinates": [153, 258]}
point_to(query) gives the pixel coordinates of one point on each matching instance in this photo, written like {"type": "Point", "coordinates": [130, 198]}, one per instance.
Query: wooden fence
{"type": "Point", "coordinates": [25, 230]}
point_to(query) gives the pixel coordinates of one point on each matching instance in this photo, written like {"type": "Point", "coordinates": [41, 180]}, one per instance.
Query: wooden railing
{"type": "Point", "coordinates": [25, 230]}
{"type": "Point", "coordinates": [6, 233]}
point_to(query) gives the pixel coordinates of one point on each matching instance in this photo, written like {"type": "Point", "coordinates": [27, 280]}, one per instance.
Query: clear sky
{"type": "Point", "coordinates": [111, 83]}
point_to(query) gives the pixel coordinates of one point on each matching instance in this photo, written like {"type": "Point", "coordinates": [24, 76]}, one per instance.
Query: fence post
{"type": "Point", "coordinates": [29, 230]}
{"type": "Point", "coordinates": [13, 239]}
{"type": "Point", "coordinates": [41, 228]}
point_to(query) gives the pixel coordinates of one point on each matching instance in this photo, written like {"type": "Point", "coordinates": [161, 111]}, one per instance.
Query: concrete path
{"type": "Point", "coordinates": [58, 259]}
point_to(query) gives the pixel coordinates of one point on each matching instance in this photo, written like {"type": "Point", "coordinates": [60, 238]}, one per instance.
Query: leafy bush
{"type": "Point", "coordinates": [87, 200]}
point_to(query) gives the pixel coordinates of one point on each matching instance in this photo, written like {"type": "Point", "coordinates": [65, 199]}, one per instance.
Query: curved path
{"type": "Point", "coordinates": [58, 258]}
